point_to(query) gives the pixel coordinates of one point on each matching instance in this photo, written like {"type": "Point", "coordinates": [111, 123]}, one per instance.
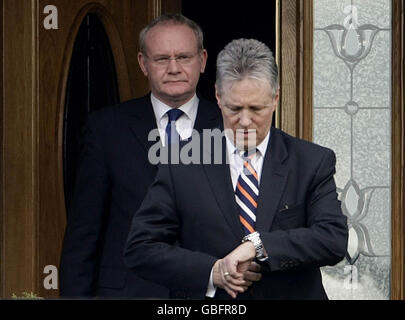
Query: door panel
{"type": "Point", "coordinates": [91, 85]}
{"type": "Point", "coordinates": [35, 71]}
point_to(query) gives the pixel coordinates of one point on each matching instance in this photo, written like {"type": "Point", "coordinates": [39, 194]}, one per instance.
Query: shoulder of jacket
{"type": "Point", "coordinates": [301, 145]}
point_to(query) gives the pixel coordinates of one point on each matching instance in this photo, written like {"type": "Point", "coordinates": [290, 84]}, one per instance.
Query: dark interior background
{"type": "Point", "coordinates": [92, 82]}
{"type": "Point", "coordinates": [222, 24]}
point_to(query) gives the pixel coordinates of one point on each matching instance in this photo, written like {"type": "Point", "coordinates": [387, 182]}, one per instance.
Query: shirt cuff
{"type": "Point", "coordinates": [211, 289]}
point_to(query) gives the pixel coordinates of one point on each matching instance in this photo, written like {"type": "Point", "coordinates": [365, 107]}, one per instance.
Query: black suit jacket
{"type": "Point", "coordinates": [113, 177]}
{"type": "Point", "coordinates": [194, 205]}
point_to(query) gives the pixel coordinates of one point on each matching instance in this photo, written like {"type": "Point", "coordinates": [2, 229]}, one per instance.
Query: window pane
{"type": "Point", "coordinates": [352, 115]}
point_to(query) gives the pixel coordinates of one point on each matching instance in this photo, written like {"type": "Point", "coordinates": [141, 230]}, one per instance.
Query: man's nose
{"type": "Point", "coordinates": [173, 66]}
{"type": "Point", "coordinates": [244, 118]}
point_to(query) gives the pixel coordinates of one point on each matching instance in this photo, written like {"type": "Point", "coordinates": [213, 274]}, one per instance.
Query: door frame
{"type": "Point", "coordinates": [19, 126]}
{"type": "Point", "coordinates": [294, 55]}
{"type": "Point", "coordinates": [398, 153]}
{"type": "Point", "coordinates": [295, 113]}
{"type": "Point", "coordinates": [34, 72]}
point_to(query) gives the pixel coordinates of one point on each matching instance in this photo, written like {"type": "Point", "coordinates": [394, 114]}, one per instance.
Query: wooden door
{"type": "Point", "coordinates": [36, 60]}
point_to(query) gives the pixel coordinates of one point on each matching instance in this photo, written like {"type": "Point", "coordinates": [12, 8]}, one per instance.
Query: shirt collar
{"type": "Point", "coordinates": [189, 108]}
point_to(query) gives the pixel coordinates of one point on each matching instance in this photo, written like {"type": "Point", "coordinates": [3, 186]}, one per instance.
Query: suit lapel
{"type": "Point", "coordinates": [272, 182]}
{"type": "Point", "coordinates": [208, 116]}
{"type": "Point", "coordinates": [143, 121]}
{"type": "Point", "coordinates": [219, 178]}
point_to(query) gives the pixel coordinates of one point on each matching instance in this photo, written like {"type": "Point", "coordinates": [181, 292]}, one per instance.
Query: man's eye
{"type": "Point", "coordinates": [183, 59]}
{"type": "Point", "coordinates": [234, 109]}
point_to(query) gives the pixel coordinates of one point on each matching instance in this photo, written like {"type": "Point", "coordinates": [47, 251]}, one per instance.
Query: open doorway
{"type": "Point", "coordinates": [222, 24]}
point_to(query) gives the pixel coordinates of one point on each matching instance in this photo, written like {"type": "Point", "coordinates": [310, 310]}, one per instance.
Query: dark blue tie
{"type": "Point", "coordinates": [172, 136]}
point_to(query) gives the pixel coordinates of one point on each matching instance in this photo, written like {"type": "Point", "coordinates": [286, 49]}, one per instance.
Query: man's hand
{"type": "Point", "coordinates": [237, 271]}
{"type": "Point", "coordinates": [252, 274]}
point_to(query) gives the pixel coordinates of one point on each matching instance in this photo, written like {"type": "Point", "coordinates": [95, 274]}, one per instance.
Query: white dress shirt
{"type": "Point", "coordinates": [236, 160]}
{"type": "Point", "coordinates": [184, 124]}
{"type": "Point", "coordinates": [236, 168]}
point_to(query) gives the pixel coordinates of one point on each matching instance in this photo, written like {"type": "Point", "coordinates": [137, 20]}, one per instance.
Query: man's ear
{"type": "Point", "coordinates": [204, 57]}
{"type": "Point", "coordinates": [218, 97]}
{"type": "Point", "coordinates": [142, 63]}
{"type": "Point", "coordinates": [276, 98]}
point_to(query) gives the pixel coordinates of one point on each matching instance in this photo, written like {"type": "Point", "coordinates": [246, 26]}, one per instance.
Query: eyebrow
{"type": "Point", "coordinates": [176, 55]}
{"type": "Point", "coordinates": [235, 106]}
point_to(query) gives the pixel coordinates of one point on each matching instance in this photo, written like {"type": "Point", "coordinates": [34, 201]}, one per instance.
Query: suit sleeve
{"type": "Point", "coordinates": [151, 249]}
{"type": "Point", "coordinates": [323, 241]}
{"type": "Point", "coordinates": [80, 253]}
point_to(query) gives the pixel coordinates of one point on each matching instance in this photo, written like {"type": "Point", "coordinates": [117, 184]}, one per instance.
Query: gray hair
{"type": "Point", "coordinates": [174, 19]}
{"type": "Point", "coordinates": [246, 58]}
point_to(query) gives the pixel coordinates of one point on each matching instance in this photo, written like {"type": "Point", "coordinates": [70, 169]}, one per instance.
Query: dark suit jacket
{"type": "Point", "coordinates": [195, 206]}
{"type": "Point", "coordinates": [113, 177]}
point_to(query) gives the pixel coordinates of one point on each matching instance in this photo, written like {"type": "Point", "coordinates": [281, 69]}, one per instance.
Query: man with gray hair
{"type": "Point", "coordinates": [257, 227]}
{"type": "Point", "coordinates": [115, 170]}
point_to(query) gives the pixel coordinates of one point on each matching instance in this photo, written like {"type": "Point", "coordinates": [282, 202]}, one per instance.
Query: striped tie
{"type": "Point", "coordinates": [247, 193]}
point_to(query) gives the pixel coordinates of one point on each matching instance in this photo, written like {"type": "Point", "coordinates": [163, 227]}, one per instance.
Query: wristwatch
{"type": "Point", "coordinates": [254, 237]}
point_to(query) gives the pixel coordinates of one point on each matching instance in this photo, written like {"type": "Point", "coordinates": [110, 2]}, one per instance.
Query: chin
{"type": "Point", "coordinates": [178, 88]}
{"type": "Point", "coordinates": [180, 94]}
{"type": "Point", "coordinates": [245, 145]}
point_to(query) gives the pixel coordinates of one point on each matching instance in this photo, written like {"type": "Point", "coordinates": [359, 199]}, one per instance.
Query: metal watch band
{"type": "Point", "coordinates": [254, 237]}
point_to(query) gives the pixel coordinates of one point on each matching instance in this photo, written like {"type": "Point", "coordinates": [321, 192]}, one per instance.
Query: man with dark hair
{"type": "Point", "coordinates": [115, 172]}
